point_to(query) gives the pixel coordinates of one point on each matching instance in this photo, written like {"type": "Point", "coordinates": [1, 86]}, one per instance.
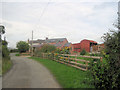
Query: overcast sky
{"type": "Point", "coordinates": [71, 19]}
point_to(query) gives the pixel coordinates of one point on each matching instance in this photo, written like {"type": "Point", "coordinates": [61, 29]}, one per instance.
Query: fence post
{"type": "Point", "coordinates": [64, 58]}
{"type": "Point", "coordinates": [68, 60]}
{"type": "Point", "coordinates": [86, 65]}
{"type": "Point", "coordinates": [75, 59]}
{"type": "Point", "coordinates": [46, 55]}
{"type": "Point", "coordinates": [101, 59]}
{"type": "Point", "coordinates": [54, 56]}
{"type": "Point", "coordinates": [43, 55]}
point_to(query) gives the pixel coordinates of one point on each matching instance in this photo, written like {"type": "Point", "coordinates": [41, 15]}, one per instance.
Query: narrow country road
{"type": "Point", "coordinates": [27, 73]}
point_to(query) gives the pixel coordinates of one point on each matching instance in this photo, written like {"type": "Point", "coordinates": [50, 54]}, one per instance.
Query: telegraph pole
{"type": "Point", "coordinates": [32, 44]}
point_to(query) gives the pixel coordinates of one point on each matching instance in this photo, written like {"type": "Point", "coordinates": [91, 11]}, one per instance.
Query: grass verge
{"type": "Point", "coordinates": [6, 65]}
{"type": "Point", "coordinates": [67, 76]}
{"type": "Point", "coordinates": [17, 54]}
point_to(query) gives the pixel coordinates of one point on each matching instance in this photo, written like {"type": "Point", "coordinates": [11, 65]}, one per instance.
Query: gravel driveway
{"type": "Point", "coordinates": [27, 73]}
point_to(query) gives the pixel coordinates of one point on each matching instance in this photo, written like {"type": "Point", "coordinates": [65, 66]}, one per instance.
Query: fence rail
{"type": "Point", "coordinates": [68, 60]}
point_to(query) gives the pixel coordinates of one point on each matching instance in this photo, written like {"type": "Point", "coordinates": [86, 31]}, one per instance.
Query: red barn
{"type": "Point", "coordinates": [84, 44]}
{"type": "Point", "coordinates": [76, 47]}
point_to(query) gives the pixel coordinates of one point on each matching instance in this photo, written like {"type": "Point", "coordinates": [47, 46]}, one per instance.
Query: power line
{"type": "Point", "coordinates": [44, 9]}
{"type": "Point", "coordinates": [28, 34]}
{"type": "Point", "coordinates": [37, 33]}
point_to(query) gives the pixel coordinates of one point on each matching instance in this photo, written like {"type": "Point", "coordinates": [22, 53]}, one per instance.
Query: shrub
{"type": "Point", "coordinates": [112, 55]}
{"type": "Point", "coordinates": [13, 50]}
{"type": "Point", "coordinates": [107, 75]}
{"type": "Point", "coordinates": [5, 52]}
{"type": "Point", "coordinates": [38, 53]}
{"type": "Point", "coordinates": [51, 56]}
{"type": "Point", "coordinates": [57, 51]}
{"type": "Point", "coordinates": [83, 52]}
{"type": "Point", "coordinates": [22, 46]}
{"type": "Point", "coordinates": [65, 51]}
{"type": "Point", "coordinates": [47, 48]}
{"type": "Point", "coordinates": [98, 72]}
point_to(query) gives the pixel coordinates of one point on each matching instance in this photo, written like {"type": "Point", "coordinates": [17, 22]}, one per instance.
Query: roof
{"type": "Point", "coordinates": [55, 40]}
{"type": "Point", "coordinates": [37, 41]}
{"type": "Point", "coordinates": [67, 44]}
{"type": "Point", "coordinates": [90, 41]}
{"type": "Point", "coordinates": [37, 45]}
{"type": "Point", "coordinates": [76, 44]}
{"type": "Point", "coordinates": [57, 45]}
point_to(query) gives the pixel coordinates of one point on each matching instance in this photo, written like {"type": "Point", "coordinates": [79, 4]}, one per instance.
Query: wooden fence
{"type": "Point", "coordinates": [71, 60]}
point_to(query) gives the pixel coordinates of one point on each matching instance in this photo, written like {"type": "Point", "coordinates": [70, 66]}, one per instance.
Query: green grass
{"type": "Point", "coordinates": [67, 76]}
{"type": "Point", "coordinates": [0, 67]}
{"type": "Point", "coordinates": [84, 58]}
{"type": "Point", "coordinates": [6, 65]}
{"type": "Point", "coordinates": [17, 54]}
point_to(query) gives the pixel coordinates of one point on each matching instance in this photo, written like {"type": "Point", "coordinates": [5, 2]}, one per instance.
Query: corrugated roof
{"type": "Point", "coordinates": [55, 40]}
{"type": "Point", "coordinates": [36, 45]}
{"type": "Point", "coordinates": [57, 45]}
{"type": "Point", "coordinates": [67, 44]}
{"type": "Point", "coordinates": [37, 41]}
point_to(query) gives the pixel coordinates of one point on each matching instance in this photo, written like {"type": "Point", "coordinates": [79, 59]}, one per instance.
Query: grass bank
{"type": "Point", "coordinates": [67, 76]}
{"type": "Point", "coordinates": [6, 65]}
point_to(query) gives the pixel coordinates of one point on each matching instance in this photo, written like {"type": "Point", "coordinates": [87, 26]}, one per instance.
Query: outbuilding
{"type": "Point", "coordinates": [84, 44]}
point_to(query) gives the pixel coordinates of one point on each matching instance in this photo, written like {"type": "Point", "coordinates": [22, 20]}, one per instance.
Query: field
{"type": "Point", "coordinates": [68, 77]}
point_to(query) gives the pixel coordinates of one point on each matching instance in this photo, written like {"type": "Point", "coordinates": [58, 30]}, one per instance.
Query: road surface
{"type": "Point", "coordinates": [27, 73]}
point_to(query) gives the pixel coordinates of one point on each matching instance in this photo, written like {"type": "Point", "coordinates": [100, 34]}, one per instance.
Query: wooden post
{"type": "Point", "coordinates": [75, 59]}
{"type": "Point", "coordinates": [101, 59]}
{"type": "Point", "coordinates": [86, 65]}
{"type": "Point", "coordinates": [46, 55]}
{"type": "Point", "coordinates": [54, 56]}
{"type": "Point", "coordinates": [58, 58]}
{"type": "Point", "coordinates": [43, 55]}
{"type": "Point", "coordinates": [63, 58]}
{"type": "Point", "coordinates": [68, 60]}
